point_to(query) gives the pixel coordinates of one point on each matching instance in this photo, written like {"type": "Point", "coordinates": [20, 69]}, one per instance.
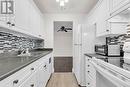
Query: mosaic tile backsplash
{"type": "Point", "coordinates": [10, 42]}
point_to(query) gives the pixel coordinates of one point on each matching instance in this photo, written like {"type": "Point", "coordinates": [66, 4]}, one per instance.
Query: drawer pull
{"type": "Point", "coordinates": [45, 66]}
{"type": "Point", "coordinates": [107, 30]}
{"type": "Point", "coordinates": [15, 82]}
{"type": "Point", "coordinates": [32, 85]}
{"type": "Point", "coordinates": [8, 22]}
{"type": "Point", "coordinates": [13, 24]}
{"type": "Point", "coordinates": [32, 68]}
{"type": "Point", "coordinates": [88, 83]}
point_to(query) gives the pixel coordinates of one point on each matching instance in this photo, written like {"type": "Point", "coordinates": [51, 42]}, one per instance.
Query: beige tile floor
{"type": "Point", "coordinates": [62, 80]}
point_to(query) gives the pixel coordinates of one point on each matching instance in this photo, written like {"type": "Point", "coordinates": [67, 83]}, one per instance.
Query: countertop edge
{"type": "Point", "coordinates": [23, 66]}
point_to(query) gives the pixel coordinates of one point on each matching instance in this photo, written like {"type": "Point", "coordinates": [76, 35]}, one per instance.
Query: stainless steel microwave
{"type": "Point", "coordinates": [114, 50]}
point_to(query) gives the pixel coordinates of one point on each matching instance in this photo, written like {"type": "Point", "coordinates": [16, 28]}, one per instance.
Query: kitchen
{"type": "Point", "coordinates": [65, 43]}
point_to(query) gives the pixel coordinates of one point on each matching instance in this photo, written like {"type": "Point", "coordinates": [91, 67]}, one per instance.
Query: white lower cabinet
{"type": "Point", "coordinates": [36, 74]}
{"type": "Point", "coordinates": [42, 73]}
{"type": "Point", "coordinates": [90, 73]}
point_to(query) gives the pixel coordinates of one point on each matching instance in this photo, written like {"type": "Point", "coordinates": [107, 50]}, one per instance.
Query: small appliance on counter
{"type": "Point", "coordinates": [114, 50]}
{"type": "Point", "coordinates": [101, 49]}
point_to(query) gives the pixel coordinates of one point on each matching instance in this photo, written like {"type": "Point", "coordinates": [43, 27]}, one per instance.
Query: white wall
{"type": "Point", "coordinates": [63, 40]}
{"type": "Point", "coordinates": [49, 27]}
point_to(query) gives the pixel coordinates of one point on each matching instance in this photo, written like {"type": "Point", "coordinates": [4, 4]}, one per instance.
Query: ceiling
{"type": "Point", "coordinates": [74, 6]}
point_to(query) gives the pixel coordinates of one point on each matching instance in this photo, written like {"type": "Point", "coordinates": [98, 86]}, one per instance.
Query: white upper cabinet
{"type": "Point", "coordinates": [102, 16]}
{"type": "Point", "coordinates": [109, 23]}
{"type": "Point", "coordinates": [115, 5]}
{"type": "Point", "coordinates": [117, 24]}
{"type": "Point", "coordinates": [35, 20]}
{"type": "Point", "coordinates": [22, 14]}
{"type": "Point", "coordinates": [27, 18]}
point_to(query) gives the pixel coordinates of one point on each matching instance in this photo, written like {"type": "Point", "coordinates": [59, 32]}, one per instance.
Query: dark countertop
{"type": "Point", "coordinates": [11, 64]}
{"type": "Point", "coordinates": [100, 56]}
{"type": "Point", "coordinates": [95, 55]}
{"type": "Point", "coordinates": [117, 61]}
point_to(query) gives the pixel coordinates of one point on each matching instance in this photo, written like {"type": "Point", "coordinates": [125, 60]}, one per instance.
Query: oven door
{"type": "Point", "coordinates": [113, 50]}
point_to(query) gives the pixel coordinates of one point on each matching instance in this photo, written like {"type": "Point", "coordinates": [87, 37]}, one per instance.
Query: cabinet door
{"type": "Point", "coordinates": [34, 19]}
{"type": "Point", "coordinates": [31, 81]}
{"type": "Point", "coordinates": [118, 28]}
{"type": "Point", "coordinates": [117, 4]}
{"type": "Point", "coordinates": [42, 76]}
{"type": "Point", "coordinates": [50, 66]}
{"type": "Point", "coordinates": [103, 14]}
{"type": "Point", "coordinates": [22, 14]}
{"type": "Point", "coordinates": [41, 27]}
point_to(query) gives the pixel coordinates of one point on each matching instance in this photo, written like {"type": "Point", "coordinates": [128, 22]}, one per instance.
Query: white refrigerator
{"type": "Point", "coordinates": [84, 41]}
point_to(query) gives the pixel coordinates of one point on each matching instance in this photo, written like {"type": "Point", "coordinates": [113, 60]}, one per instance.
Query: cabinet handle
{"type": "Point", "coordinates": [45, 66]}
{"type": "Point", "coordinates": [32, 85]}
{"type": "Point", "coordinates": [49, 60]}
{"type": "Point", "coordinates": [13, 24]}
{"type": "Point", "coordinates": [88, 71]}
{"type": "Point", "coordinates": [15, 82]}
{"type": "Point", "coordinates": [88, 83]}
{"type": "Point", "coordinates": [8, 22]}
{"type": "Point", "coordinates": [107, 30]}
{"type": "Point", "coordinates": [32, 68]}
{"type": "Point", "coordinates": [88, 65]}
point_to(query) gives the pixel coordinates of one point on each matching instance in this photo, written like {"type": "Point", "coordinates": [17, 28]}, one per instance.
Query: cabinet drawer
{"type": "Point", "coordinates": [30, 82]}
{"type": "Point", "coordinates": [90, 70]}
{"type": "Point", "coordinates": [91, 82]}
{"type": "Point", "coordinates": [17, 78]}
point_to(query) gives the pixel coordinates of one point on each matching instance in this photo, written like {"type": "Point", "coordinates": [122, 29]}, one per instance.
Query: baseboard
{"type": "Point", "coordinates": [48, 80]}
{"type": "Point", "coordinates": [77, 81]}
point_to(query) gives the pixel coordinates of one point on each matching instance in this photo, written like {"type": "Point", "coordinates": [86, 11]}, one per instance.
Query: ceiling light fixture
{"type": "Point", "coordinates": [66, 1]}
{"type": "Point", "coordinates": [62, 3]}
{"type": "Point", "coordinates": [57, 0]}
